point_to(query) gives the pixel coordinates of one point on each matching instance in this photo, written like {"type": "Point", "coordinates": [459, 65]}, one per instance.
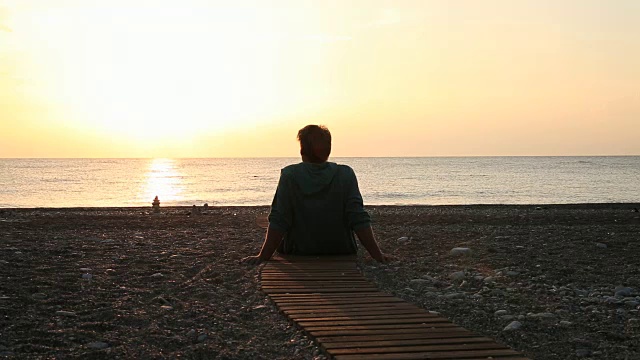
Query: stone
{"type": "Point", "coordinates": [39, 296]}
{"type": "Point", "coordinates": [97, 345]}
{"type": "Point", "coordinates": [512, 273]}
{"type": "Point", "coordinates": [601, 245]}
{"type": "Point", "coordinates": [623, 291]}
{"type": "Point", "coordinates": [87, 276]}
{"type": "Point", "coordinates": [458, 275]}
{"type": "Point", "coordinates": [489, 280]}
{"type": "Point", "coordinates": [565, 323]}
{"type": "Point", "coordinates": [85, 270]}
{"type": "Point", "coordinates": [501, 313]}
{"type": "Point", "coordinates": [460, 251]}
{"type": "Point", "coordinates": [65, 313]}
{"type": "Point", "coordinates": [202, 337]}
{"type": "Point", "coordinates": [583, 353]}
{"type": "Point", "coordinates": [514, 325]}
{"type": "Point", "coordinates": [404, 239]}
{"type": "Point", "coordinates": [157, 275]}
{"type": "Point", "coordinates": [419, 281]}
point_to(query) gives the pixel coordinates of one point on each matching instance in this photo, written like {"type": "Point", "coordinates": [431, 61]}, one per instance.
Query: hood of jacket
{"type": "Point", "coordinates": [313, 178]}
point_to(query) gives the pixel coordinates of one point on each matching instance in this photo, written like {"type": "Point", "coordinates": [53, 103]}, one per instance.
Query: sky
{"type": "Point", "coordinates": [191, 78]}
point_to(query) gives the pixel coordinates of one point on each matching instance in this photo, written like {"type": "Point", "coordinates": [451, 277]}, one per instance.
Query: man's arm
{"type": "Point", "coordinates": [271, 242]}
{"type": "Point", "coordinates": [368, 240]}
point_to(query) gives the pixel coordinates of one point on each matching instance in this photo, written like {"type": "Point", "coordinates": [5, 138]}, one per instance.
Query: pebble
{"type": "Point", "coordinates": [458, 275]}
{"type": "Point", "coordinates": [65, 313]}
{"type": "Point", "coordinates": [458, 251]}
{"type": "Point", "coordinates": [97, 345]}
{"type": "Point", "coordinates": [191, 333]}
{"type": "Point", "coordinates": [489, 279]}
{"type": "Point", "coordinates": [419, 281]}
{"type": "Point", "coordinates": [87, 276]}
{"type": "Point", "coordinates": [623, 291]}
{"type": "Point", "coordinates": [601, 245]}
{"type": "Point", "coordinates": [565, 323]}
{"type": "Point", "coordinates": [501, 312]}
{"type": "Point", "coordinates": [157, 275]}
{"type": "Point", "coordinates": [404, 239]}
{"type": "Point", "coordinates": [85, 270]}
{"type": "Point", "coordinates": [202, 337]}
{"type": "Point", "coordinates": [260, 307]}
{"type": "Point", "coordinates": [166, 307]}
{"type": "Point", "coordinates": [544, 316]}
{"type": "Point", "coordinates": [39, 296]}
{"type": "Point", "coordinates": [453, 296]}
{"type": "Point", "coordinates": [512, 273]}
{"type": "Point", "coordinates": [583, 352]}
{"type": "Point", "coordinates": [514, 325]}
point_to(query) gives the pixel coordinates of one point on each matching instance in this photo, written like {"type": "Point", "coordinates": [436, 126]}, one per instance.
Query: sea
{"type": "Point", "coordinates": [32, 183]}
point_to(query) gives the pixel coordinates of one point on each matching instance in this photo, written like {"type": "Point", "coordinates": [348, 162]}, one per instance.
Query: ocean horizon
{"type": "Point", "coordinates": [450, 180]}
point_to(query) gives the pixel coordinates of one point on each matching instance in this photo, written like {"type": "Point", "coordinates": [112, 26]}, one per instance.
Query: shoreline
{"type": "Point", "coordinates": [368, 206]}
{"type": "Point", "coordinates": [119, 282]}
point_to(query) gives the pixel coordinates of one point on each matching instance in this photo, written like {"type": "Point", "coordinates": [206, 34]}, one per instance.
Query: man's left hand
{"type": "Point", "coordinates": [252, 260]}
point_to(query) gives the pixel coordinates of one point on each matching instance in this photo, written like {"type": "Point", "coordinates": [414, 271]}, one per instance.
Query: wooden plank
{"type": "Point", "coordinates": [285, 284]}
{"type": "Point", "coordinates": [373, 300]}
{"type": "Point", "coordinates": [338, 329]}
{"type": "Point", "coordinates": [316, 290]}
{"type": "Point", "coordinates": [325, 296]}
{"type": "Point", "coordinates": [468, 355]}
{"type": "Point", "coordinates": [357, 317]}
{"type": "Point", "coordinates": [363, 312]}
{"type": "Point", "coordinates": [433, 334]}
{"type": "Point", "coordinates": [422, 348]}
{"type": "Point", "coordinates": [344, 306]}
{"type": "Point", "coordinates": [330, 297]}
{"type": "Point", "coordinates": [412, 320]}
{"type": "Point", "coordinates": [368, 331]}
{"type": "Point", "coordinates": [404, 342]}
{"type": "Point", "coordinates": [354, 309]}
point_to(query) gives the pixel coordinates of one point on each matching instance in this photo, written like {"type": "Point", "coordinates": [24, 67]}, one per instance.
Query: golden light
{"type": "Point", "coordinates": [166, 72]}
{"type": "Point", "coordinates": [163, 180]}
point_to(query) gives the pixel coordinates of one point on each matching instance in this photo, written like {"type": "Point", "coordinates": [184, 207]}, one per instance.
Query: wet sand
{"type": "Point", "coordinates": [125, 283]}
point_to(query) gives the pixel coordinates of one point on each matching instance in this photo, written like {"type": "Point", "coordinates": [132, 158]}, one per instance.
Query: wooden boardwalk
{"type": "Point", "coordinates": [351, 319]}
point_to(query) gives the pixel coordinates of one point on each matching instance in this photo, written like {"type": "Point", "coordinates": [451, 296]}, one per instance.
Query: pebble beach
{"type": "Point", "coordinates": [551, 281]}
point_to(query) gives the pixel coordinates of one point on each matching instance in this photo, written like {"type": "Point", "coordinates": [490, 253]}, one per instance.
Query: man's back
{"type": "Point", "coordinates": [318, 206]}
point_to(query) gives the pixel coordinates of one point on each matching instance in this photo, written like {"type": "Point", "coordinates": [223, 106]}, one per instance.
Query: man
{"type": "Point", "coordinates": [317, 206]}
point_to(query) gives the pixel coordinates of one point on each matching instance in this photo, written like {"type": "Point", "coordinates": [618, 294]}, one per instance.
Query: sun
{"type": "Point", "coordinates": [166, 72]}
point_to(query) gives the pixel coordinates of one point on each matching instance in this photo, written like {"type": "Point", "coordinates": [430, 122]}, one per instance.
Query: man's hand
{"type": "Point", "coordinates": [385, 259]}
{"type": "Point", "coordinates": [252, 260]}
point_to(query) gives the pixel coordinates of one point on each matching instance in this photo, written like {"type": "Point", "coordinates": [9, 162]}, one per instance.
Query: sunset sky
{"type": "Point", "coordinates": [187, 78]}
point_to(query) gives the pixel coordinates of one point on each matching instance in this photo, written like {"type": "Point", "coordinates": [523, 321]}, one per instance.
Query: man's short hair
{"type": "Point", "coordinates": [315, 143]}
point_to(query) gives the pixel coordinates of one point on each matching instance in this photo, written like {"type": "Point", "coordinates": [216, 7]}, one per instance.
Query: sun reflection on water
{"type": "Point", "coordinates": [163, 180]}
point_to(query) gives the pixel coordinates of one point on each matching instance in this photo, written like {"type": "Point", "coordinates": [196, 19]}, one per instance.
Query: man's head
{"type": "Point", "coordinates": [315, 143]}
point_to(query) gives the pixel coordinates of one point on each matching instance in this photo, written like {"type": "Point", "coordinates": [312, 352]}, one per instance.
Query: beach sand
{"type": "Point", "coordinates": [125, 283]}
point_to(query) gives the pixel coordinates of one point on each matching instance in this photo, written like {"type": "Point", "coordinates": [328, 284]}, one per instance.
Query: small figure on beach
{"type": "Point", "coordinates": [317, 206]}
{"type": "Point", "coordinates": [156, 205]}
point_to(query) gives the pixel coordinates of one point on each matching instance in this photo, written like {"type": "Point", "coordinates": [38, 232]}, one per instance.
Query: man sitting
{"type": "Point", "coordinates": [317, 206]}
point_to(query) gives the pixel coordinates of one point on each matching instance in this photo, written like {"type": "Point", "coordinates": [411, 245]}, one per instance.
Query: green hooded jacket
{"type": "Point", "coordinates": [318, 206]}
